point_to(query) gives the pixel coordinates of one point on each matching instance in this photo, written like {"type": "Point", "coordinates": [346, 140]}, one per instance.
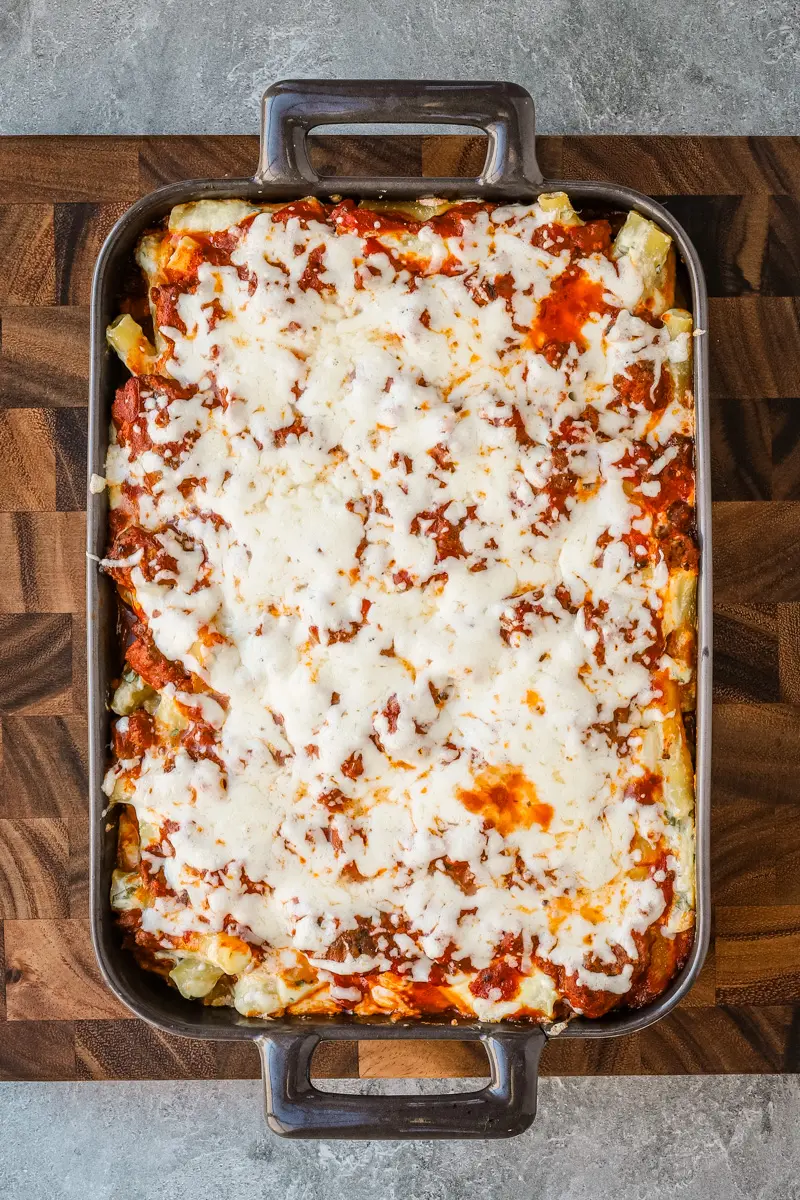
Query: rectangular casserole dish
{"type": "Point", "coordinates": [507, 1105]}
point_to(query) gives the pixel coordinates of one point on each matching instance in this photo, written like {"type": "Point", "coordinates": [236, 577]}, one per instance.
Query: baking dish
{"type": "Point", "coordinates": [507, 1105]}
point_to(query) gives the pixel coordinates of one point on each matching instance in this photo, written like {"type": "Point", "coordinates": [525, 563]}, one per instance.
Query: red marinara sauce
{"type": "Point", "coordinates": [499, 977]}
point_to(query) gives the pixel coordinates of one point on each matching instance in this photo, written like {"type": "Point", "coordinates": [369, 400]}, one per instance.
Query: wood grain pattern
{"type": "Point", "coordinates": [730, 233]}
{"type": "Point", "coordinates": [753, 347]}
{"type": "Point", "coordinates": [756, 817]}
{"type": "Point", "coordinates": [52, 974]}
{"type": "Point", "coordinates": [70, 169]}
{"type": "Point", "coordinates": [36, 663]}
{"type": "Point", "coordinates": [44, 357]}
{"type": "Point", "coordinates": [420, 1059]}
{"type": "Point", "coordinates": [746, 652]}
{"type": "Point", "coordinates": [396, 155]}
{"type": "Point", "coordinates": [740, 200]}
{"type": "Point", "coordinates": [42, 562]}
{"type": "Point", "coordinates": [27, 260]}
{"type": "Point", "coordinates": [78, 664]}
{"type": "Point", "coordinates": [71, 430]}
{"type": "Point", "coordinates": [784, 418]}
{"type": "Point", "coordinates": [608, 1056]}
{"type": "Point", "coordinates": [27, 459]}
{"type": "Point", "coordinates": [723, 1040]}
{"type": "Point", "coordinates": [742, 461]}
{"type": "Point", "coordinates": [757, 554]}
{"type": "Point", "coordinates": [110, 1049]}
{"type": "Point", "coordinates": [781, 273]}
{"type": "Point", "coordinates": [704, 992]}
{"type": "Point", "coordinates": [169, 159]}
{"type": "Point", "coordinates": [758, 954]}
{"type": "Point", "coordinates": [37, 1050]}
{"type": "Point", "coordinates": [696, 166]}
{"type": "Point", "coordinates": [34, 867]}
{"type": "Point", "coordinates": [104, 1051]}
{"type": "Point", "coordinates": [241, 1060]}
{"type": "Point", "coordinates": [79, 231]}
{"type": "Point", "coordinates": [77, 867]}
{"type": "Point", "coordinates": [2, 978]}
{"type": "Point", "coordinates": [446, 156]}
{"type": "Point", "coordinates": [789, 652]}
{"type": "Point", "coordinates": [44, 767]}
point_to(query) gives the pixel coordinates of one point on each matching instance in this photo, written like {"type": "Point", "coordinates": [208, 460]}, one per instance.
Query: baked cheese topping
{"type": "Point", "coordinates": [402, 506]}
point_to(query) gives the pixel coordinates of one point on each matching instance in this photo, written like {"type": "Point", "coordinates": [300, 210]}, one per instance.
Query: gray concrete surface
{"type": "Point", "coordinates": [594, 66]}
{"type": "Point", "coordinates": [732, 1138]}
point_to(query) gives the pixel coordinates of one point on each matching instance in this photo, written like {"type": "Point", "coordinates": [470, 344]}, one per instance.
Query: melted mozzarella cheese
{"type": "Point", "coordinates": [387, 572]}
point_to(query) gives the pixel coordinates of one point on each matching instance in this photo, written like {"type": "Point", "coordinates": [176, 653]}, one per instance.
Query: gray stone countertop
{"type": "Point", "coordinates": [714, 1138]}
{"type": "Point", "coordinates": [594, 66]}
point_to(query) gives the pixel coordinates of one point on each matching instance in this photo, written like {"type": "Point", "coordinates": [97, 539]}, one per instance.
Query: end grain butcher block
{"type": "Point", "coordinates": [740, 201]}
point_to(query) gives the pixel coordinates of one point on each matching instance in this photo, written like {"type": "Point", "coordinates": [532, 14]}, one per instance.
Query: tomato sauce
{"type": "Point", "coordinates": [315, 266]}
{"type": "Point", "coordinates": [451, 223]}
{"type": "Point", "coordinates": [334, 800]}
{"type": "Point", "coordinates": [593, 619]}
{"type": "Point", "coordinates": [165, 299]}
{"type": "Point", "coordinates": [500, 978]}
{"type": "Point", "coordinates": [645, 789]}
{"type": "Point", "coordinates": [573, 299]}
{"type": "Point", "coordinates": [638, 388]}
{"type": "Point", "coordinates": [392, 713]}
{"type": "Point", "coordinates": [131, 740]}
{"type": "Point", "coordinates": [199, 741]}
{"type": "Point", "coordinates": [147, 660]}
{"type": "Point", "coordinates": [346, 216]}
{"type": "Point", "coordinates": [349, 219]}
{"type": "Point", "coordinates": [431, 998]}
{"type": "Point", "coordinates": [353, 766]}
{"type": "Point", "coordinates": [296, 429]}
{"type": "Point", "coordinates": [400, 262]}
{"type": "Point", "coordinates": [514, 626]}
{"type": "Point", "coordinates": [441, 456]}
{"type": "Point", "coordinates": [352, 943]}
{"type": "Point", "coordinates": [561, 486]}
{"type": "Point", "coordinates": [661, 957]}
{"type": "Point", "coordinates": [305, 211]}
{"type": "Point", "coordinates": [592, 238]}
{"type": "Point", "coordinates": [460, 873]}
{"type": "Point", "coordinates": [347, 635]}
{"type": "Point", "coordinates": [506, 800]}
{"type": "Point", "coordinates": [677, 477]}
{"type": "Point", "coordinates": [445, 533]}
{"type": "Point", "coordinates": [516, 422]}
{"type": "Point", "coordinates": [220, 246]}
{"type": "Point", "coordinates": [153, 559]}
{"type": "Point", "coordinates": [129, 417]}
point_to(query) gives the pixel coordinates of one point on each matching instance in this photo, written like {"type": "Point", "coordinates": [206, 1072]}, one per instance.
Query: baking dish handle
{"type": "Point", "coordinates": [505, 1107]}
{"type": "Point", "coordinates": [293, 107]}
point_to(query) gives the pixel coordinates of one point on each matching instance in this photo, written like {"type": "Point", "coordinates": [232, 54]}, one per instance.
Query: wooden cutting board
{"type": "Point", "coordinates": [740, 201]}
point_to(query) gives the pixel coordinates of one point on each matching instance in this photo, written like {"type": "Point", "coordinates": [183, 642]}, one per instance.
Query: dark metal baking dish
{"type": "Point", "coordinates": [507, 1105]}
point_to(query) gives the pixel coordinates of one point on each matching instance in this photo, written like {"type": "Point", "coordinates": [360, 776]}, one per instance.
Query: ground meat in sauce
{"type": "Point", "coordinates": [500, 981]}
{"type": "Point", "coordinates": [152, 556]}
{"type": "Point", "coordinates": [133, 735]}
{"type": "Point", "coordinates": [639, 388]}
{"type": "Point", "coordinates": [165, 299]}
{"type": "Point", "coordinates": [147, 661]}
